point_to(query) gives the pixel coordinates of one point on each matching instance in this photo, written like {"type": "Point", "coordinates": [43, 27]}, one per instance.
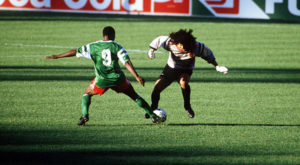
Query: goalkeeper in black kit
{"type": "Point", "coordinates": [183, 48]}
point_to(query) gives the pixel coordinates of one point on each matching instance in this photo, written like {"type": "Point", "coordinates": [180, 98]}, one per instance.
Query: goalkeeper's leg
{"type": "Point", "coordinates": [160, 85]}
{"type": "Point", "coordinates": [186, 93]}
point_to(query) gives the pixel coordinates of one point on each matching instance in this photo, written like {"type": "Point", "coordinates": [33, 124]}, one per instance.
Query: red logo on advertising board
{"type": "Point", "coordinates": [176, 7]}
{"type": "Point", "coordinates": [123, 6]}
{"type": "Point", "coordinates": [172, 6]}
{"type": "Point", "coordinates": [220, 8]}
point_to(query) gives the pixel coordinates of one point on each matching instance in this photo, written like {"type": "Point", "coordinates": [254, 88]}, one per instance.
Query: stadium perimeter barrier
{"type": "Point", "coordinates": [285, 10]}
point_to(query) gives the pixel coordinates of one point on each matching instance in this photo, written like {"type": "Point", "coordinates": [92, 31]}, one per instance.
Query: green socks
{"type": "Point", "coordinates": [86, 101]}
{"type": "Point", "coordinates": [143, 104]}
{"type": "Point", "coordinates": [85, 104]}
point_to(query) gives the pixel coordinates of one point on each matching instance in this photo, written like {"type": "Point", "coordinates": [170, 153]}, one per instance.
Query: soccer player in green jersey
{"type": "Point", "coordinates": [105, 55]}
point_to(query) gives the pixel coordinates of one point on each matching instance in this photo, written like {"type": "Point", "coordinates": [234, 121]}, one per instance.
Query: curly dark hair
{"type": "Point", "coordinates": [185, 38]}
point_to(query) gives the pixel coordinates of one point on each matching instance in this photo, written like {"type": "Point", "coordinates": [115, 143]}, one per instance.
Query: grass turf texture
{"type": "Point", "coordinates": [249, 116]}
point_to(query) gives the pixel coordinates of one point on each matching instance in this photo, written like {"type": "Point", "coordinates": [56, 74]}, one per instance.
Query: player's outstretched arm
{"type": "Point", "coordinates": [208, 55]}
{"type": "Point", "coordinates": [131, 69]}
{"type": "Point", "coordinates": [69, 53]}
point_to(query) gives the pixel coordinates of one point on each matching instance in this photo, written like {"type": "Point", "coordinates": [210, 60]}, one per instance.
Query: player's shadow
{"type": "Point", "coordinates": [150, 74]}
{"type": "Point", "coordinates": [118, 125]}
{"type": "Point", "coordinates": [232, 125]}
{"type": "Point", "coordinates": [194, 125]}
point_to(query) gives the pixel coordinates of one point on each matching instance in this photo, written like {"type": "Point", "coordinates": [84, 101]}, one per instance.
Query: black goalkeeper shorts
{"type": "Point", "coordinates": [172, 74]}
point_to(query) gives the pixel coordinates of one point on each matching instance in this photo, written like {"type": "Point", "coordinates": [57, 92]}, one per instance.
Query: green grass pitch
{"type": "Point", "coordinates": [249, 116]}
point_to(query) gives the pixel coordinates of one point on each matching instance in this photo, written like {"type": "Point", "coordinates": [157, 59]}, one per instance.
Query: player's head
{"type": "Point", "coordinates": [109, 32]}
{"type": "Point", "coordinates": [184, 38]}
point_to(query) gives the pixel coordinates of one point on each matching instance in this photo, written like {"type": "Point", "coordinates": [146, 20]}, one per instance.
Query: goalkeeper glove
{"type": "Point", "coordinates": [222, 69]}
{"type": "Point", "coordinates": [151, 54]}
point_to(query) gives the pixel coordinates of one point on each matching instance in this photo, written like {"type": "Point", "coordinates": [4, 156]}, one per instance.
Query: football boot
{"type": "Point", "coordinates": [155, 119]}
{"type": "Point", "coordinates": [147, 116]}
{"type": "Point", "coordinates": [83, 120]}
{"type": "Point", "coordinates": [190, 112]}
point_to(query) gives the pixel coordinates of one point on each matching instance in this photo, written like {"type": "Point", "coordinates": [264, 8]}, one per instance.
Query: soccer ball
{"type": "Point", "coordinates": [162, 114]}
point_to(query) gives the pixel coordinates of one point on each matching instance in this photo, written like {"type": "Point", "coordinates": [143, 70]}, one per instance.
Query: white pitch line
{"type": "Point", "coordinates": [23, 56]}
{"type": "Point", "coordinates": [39, 46]}
{"type": "Point", "coordinates": [70, 47]}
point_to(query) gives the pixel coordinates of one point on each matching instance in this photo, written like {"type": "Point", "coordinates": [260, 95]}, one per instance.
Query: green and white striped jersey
{"type": "Point", "coordinates": [105, 55]}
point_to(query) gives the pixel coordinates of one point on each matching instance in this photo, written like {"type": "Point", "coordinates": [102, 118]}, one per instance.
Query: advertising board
{"type": "Point", "coordinates": [241, 9]}
{"type": "Point", "coordinates": [249, 9]}
{"type": "Point", "coordinates": [134, 7]}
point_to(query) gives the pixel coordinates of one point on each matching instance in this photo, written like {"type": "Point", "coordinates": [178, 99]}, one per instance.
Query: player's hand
{"type": "Point", "coordinates": [151, 54]}
{"type": "Point", "coordinates": [51, 57]}
{"type": "Point", "coordinates": [222, 69]}
{"type": "Point", "coordinates": [140, 80]}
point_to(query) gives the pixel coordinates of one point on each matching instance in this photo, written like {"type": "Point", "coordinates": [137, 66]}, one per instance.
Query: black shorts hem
{"type": "Point", "coordinates": [173, 74]}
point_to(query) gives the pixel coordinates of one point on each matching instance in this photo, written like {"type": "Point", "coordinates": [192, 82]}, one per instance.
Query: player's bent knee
{"type": "Point", "coordinates": [89, 91]}
{"type": "Point", "coordinates": [184, 84]}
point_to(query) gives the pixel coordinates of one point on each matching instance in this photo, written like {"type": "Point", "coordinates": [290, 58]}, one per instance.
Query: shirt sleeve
{"type": "Point", "coordinates": [207, 54]}
{"type": "Point", "coordinates": [160, 41]}
{"type": "Point", "coordinates": [123, 56]}
{"type": "Point", "coordinates": [84, 52]}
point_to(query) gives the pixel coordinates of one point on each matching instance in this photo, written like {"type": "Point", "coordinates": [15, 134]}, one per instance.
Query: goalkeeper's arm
{"type": "Point", "coordinates": [157, 43]}
{"type": "Point", "coordinates": [208, 56]}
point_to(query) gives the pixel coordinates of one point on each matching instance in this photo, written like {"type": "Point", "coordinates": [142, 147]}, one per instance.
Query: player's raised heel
{"type": "Point", "coordinates": [83, 120]}
{"type": "Point", "coordinates": [190, 112]}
